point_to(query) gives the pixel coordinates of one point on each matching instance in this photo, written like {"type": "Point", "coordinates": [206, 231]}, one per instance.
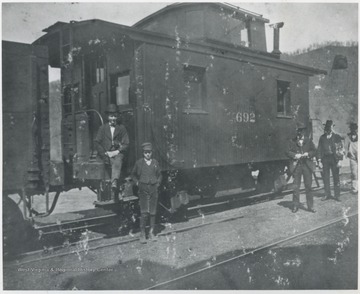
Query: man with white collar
{"type": "Point", "coordinates": [329, 155]}
{"type": "Point", "coordinates": [301, 151]}
{"type": "Point", "coordinates": [112, 141]}
{"type": "Point", "coordinates": [147, 175]}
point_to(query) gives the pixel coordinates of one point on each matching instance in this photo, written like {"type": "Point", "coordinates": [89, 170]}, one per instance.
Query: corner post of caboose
{"type": "Point", "coordinates": [73, 107]}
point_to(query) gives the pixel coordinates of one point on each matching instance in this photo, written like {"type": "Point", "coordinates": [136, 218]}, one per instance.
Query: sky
{"type": "Point", "coordinates": [306, 23]}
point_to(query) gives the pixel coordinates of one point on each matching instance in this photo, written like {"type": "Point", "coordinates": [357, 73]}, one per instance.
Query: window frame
{"type": "Point", "coordinates": [238, 32]}
{"type": "Point", "coordinates": [114, 84]}
{"type": "Point", "coordinates": [98, 73]}
{"type": "Point", "coordinates": [286, 113]}
{"type": "Point", "coordinates": [199, 107]}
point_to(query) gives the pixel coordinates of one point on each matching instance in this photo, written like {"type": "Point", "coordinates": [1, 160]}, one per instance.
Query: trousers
{"type": "Point", "coordinates": [354, 174]}
{"type": "Point", "coordinates": [303, 170]}
{"type": "Point", "coordinates": [113, 168]}
{"type": "Point", "coordinates": [329, 163]}
{"type": "Point", "coordinates": [148, 198]}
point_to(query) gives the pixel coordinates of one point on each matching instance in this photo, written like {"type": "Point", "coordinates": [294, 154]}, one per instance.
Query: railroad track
{"type": "Point", "coordinates": [73, 248]}
{"type": "Point", "coordinates": [130, 238]}
{"type": "Point", "coordinates": [250, 197]}
{"type": "Point", "coordinates": [63, 229]}
{"type": "Point", "coordinates": [110, 244]}
{"type": "Point", "coordinates": [87, 223]}
{"type": "Point", "coordinates": [74, 225]}
{"type": "Point", "coordinates": [158, 286]}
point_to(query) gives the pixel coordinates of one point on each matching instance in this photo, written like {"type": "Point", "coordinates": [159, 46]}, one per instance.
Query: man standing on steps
{"type": "Point", "coordinates": [301, 150]}
{"type": "Point", "coordinates": [330, 152]}
{"type": "Point", "coordinates": [112, 141]}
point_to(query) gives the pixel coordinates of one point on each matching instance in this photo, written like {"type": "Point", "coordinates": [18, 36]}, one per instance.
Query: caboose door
{"type": "Point", "coordinates": [120, 94]}
{"type": "Point", "coordinates": [96, 90]}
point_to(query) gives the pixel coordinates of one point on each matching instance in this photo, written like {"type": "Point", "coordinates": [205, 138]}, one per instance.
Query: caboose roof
{"type": "Point", "coordinates": [177, 6]}
{"type": "Point", "coordinates": [55, 26]}
{"type": "Point", "coordinates": [252, 56]}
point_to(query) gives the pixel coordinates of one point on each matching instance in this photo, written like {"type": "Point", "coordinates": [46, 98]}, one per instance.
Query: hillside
{"type": "Point", "coordinates": [335, 95]}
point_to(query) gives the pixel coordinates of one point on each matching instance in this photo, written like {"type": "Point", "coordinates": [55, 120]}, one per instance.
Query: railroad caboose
{"type": "Point", "coordinates": [195, 79]}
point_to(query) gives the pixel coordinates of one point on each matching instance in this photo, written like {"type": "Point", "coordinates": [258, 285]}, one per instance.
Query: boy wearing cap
{"type": "Point", "coordinates": [301, 151]}
{"type": "Point", "coordinates": [329, 155]}
{"type": "Point", "coordinates": [147, 175]}
{"type": "Point", "coordinates": [351, 152]}
{"type": "Point", "coordinates": [112, 141]}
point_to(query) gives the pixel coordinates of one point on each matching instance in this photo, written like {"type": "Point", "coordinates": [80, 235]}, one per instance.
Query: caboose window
{"type": "Point", "coordinates": [233, 30]}
{"type": "Point", "coordinates": [120, 84]}
{"type": "Point", "coordinates": [194, 77]}
{"type": "Point", "coordinates": [98, 75]}
{"type": "Point", "coordinates": [71, 93]}
{"type": "Point", "coordinates": [238, 31]}
{"type": "Point", "coordinates": [283, 98]}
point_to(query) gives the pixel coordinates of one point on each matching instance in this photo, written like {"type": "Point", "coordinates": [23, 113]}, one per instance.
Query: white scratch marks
{"type": "Point", "coordinates": [346, 218]}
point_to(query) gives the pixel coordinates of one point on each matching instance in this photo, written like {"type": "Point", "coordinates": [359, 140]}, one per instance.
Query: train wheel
{"type": "Point", "coordinates": [14, 228]}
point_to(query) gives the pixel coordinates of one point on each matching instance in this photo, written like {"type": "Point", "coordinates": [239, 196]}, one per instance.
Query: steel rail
{"type": "Point", "coordinates": [129, 240]}
{"type": "Point", "coordinates": [260, 248]}
{"type": "Point", "coordinates": [249, 197]}
{"type": "Point", "coordinates": [133, 239]}
{"type": "Point", "coordinates": [283, 193]}
{"type": "Point", "coordinates": [74, 229]}
{"type": "Point", "coordinates": [214, 203]}
{"type": "Point", "coordinates": [61, 230]}
{"type": "Point", "coordinates": [56, 247]}
{"type": "Point", "coordinates": [41, 228]}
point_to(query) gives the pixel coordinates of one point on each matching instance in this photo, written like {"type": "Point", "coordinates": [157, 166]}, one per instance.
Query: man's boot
{"type": "Point", "coordinates": [152, 236]}
{"type": "Point", "coordinates": [142, 237]}
{"type": "Point", "coordinates": [142, 229]}
{"type": "Point", "coordinates": [114, 191]}
{"type": "Point", "coordinates": [337, 192]}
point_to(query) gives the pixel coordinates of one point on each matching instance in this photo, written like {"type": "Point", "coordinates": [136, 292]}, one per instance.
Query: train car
{"type": "Point", "coordinates": [26, 133]}
{"type": "Point", "coordinates": [195, 79]}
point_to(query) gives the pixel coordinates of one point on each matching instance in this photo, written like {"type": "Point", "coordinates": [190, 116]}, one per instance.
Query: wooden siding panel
{"type": "Point", "coordinates": [240, 124]}
{"type": "Point", "coordinates": [25, 93]}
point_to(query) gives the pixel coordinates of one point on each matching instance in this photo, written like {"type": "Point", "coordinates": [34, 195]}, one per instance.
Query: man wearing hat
{"type": "Point", "coordinates": [351, 152]}
{"type": "Point", "coordinates": [329, 155]}
{"type": "Point", "coordinates": [301, 150]}
{"type": "Point", "coordinates": [147, 175]}
{"type": "Point", "coordinates": [112, 141]}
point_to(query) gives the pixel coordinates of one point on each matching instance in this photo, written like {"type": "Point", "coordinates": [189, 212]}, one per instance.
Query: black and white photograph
{"type": "Point", "coordinates": [180, 146]}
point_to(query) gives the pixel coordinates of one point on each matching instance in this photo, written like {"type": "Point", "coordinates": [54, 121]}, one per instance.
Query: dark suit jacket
{"type": "Point", "coordinates": [294, 148]}
{"type": "Point", "coordinates": [154, 177]}
{"type": "Point", "coordinates": [336, 145]}
{"type": "Point", "coordinates": [105, 143]}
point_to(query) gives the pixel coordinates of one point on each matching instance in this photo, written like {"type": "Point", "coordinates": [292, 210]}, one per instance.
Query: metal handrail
{"type": "Point", "coordinates": [94, 110]}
